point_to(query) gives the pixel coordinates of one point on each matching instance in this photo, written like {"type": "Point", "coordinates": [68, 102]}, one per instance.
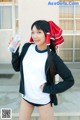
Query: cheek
{"type": "Point", "coordinates": [43, 36]}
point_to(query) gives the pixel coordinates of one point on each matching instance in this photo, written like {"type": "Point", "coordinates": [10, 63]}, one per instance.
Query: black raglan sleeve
{"type": "Point", "coordinates": [16, 60]}
{"type": "Point", "coordinates": [64, 73]}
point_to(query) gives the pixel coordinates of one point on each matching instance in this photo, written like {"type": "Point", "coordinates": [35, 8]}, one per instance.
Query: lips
{"type": "Point", "coordinates": [36, 40]}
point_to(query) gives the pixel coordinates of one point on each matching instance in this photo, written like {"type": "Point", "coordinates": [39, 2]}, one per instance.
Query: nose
{"type": "Point", "coordinates": [35, 36]}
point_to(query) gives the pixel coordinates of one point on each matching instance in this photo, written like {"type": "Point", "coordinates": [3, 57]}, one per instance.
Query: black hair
{"type": "Point", "coordinates": [41, 25]}
{"type": "Point", "coordinates": [45, 27]}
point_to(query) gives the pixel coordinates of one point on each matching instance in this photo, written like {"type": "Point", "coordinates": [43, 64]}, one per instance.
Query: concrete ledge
{"type": "Point", "coordinates": [55, 114]}
{"type": "Point", "coordinates": [6, 69]}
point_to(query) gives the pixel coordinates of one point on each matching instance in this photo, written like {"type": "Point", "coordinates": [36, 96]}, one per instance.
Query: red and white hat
{"type": "Point", "coordinates": [55, 34]}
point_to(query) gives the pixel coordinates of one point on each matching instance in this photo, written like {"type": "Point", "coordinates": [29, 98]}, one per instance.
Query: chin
{"type": "Point", "coordinates": [37, 43]}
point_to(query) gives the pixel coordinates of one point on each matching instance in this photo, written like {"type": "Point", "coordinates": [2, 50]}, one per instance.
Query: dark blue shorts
{"type": "Point", "coordinates": [34, 104]}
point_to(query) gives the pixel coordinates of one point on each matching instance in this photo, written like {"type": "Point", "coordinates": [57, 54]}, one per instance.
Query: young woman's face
{"type": "Point", "coordinates": [38, 36]}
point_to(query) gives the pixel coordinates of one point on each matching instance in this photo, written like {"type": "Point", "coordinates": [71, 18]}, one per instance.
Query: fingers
{"type": "Point", "coordinates": [18, 44]}
{"type": "Point", "coordinates": [41, 87]}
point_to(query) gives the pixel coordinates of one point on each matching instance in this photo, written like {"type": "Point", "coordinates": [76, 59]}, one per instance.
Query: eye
{"type": "Point", "coordinates": [39, 32]}
{"type": "Point", "coordinates": [32, 33]}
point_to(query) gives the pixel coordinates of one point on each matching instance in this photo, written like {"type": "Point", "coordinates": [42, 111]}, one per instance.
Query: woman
{"type": "Point", "coordinates": [38, 64]}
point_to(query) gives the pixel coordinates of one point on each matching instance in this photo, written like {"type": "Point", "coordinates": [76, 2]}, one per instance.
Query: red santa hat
{"type": "Point", "coordinates": [55, 35]}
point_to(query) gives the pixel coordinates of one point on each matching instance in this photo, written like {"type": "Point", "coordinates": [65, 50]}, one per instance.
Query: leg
{"type": "Point", "coordinates": [46, 112]}
{"type": "Point", "coordinates": [26, 110]}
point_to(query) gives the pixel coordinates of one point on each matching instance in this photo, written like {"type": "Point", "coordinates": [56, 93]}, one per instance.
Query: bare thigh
{"type": "Point", "coordinates": [26, 110]}
{"type": "Point", "coordinates": [46, 112]}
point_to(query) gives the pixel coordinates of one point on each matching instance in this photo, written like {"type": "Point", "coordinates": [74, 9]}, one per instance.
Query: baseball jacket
{"type": "Point", "coordinates": [49, 87]}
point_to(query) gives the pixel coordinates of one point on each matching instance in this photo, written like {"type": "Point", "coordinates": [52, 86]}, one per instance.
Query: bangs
{"type": "Point", "coordinates": [41, 25]}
